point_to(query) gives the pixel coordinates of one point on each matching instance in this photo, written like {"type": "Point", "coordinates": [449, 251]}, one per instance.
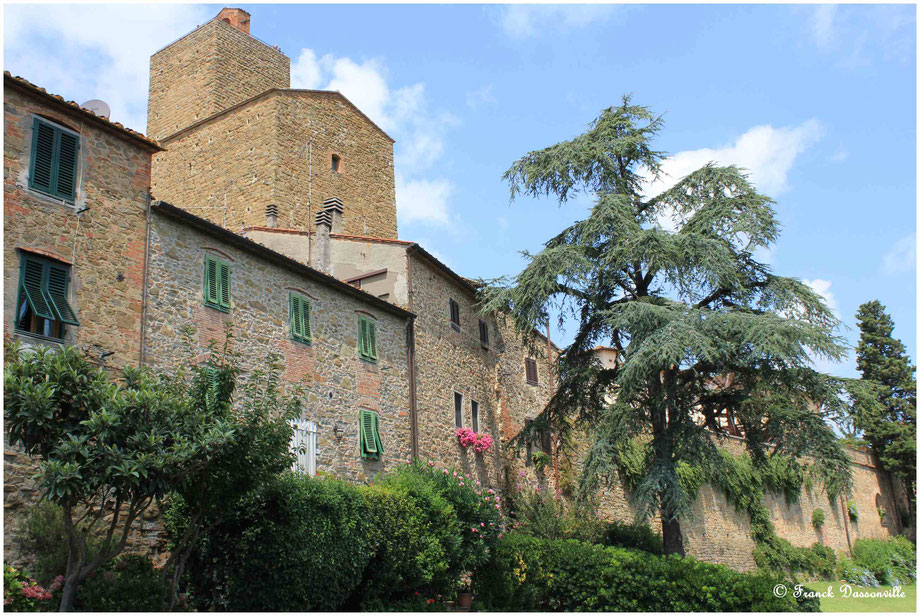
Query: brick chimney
{"type": "Point", "coordinates": [238, 18]}
{"type": "Point", "coordinates": [328, 220]}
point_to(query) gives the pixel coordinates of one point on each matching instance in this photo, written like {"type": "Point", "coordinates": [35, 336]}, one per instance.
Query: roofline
{"type": "Point", "coordinates": [215, 18]}
{"type": "Point", "coordinates": [25, 85]}
{"type": "Point", "coordinates": [337, 236]}
{"type": "Point", "coordinates": [266, 94]}
{"type": "Point", "coordinates": [267, 253]}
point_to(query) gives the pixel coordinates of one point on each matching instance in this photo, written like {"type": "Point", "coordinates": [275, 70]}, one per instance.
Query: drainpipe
{"type": "Point", "coordinates": [144, 284]}
{"type": "Point", "coordinates": [846, 525]}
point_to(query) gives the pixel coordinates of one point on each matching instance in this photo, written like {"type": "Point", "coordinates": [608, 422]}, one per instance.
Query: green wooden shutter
{"type": "Point", "coordinates": [32, 282]}
{"type": "Point", "coordinates": [369, 442]}
{"type": "Point", "coordinates": [306, 319]}
{"type": "Point", "coordinates": [224, 284]}
{"type": "Point", "coordinates": [377, 440]}
{"type": "Point", "coordinates": [57, 294]}
{"type": "Point", "coordinates": [211, 294]}
{"type": "Point", "coordinates": [66, 180]}
{"type": "Point", "coordinates": [362, 337]}
{"type": "Point", "coordinates": [42, 168]}
{"type": "Point", "coordinates": [296, 322]}
{"type": "Point", "coordinates": [372, 340]}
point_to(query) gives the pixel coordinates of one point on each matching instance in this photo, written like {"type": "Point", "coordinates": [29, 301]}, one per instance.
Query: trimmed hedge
{"type": "Point", "coordinates": [530, 574]}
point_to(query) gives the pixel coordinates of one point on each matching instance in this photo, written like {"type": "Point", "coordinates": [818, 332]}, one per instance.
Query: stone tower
{"type": "Point", "coordinates": [244, 150]}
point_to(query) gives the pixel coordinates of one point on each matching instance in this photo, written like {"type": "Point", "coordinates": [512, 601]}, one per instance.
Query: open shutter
{"type": "Point", "coordinates": [66, 179]}
{"type": "Point", "coordinates": [224, 284]}
{"type": "Point", "coordinates": [368, 440]}
{"type": "Point", "coordinates": [211, 294]}
{"type": "Point", "coordinates": [377, 440]}
{"type": "Point", "coordinates": [371, 339]}
{"type": "Point", "coordinates": [57, 295]}
{"type": "Point", "coordinates": [305, 319]}
{"type": "Point", "coordinates": [42, 156]}
{"type": "Point", "coordinates": [32, 278]}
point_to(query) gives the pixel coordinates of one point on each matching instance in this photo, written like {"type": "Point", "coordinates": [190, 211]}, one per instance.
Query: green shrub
{"type": "Point", "coordinates": [853, 511]}
{"type": "Point", "coordinates": [849, 571]}
{"type": "Point", "coordinates": [891, 562]}
{"type": "Point", "coordinates": [294, 544]}
{"type": "Point", "coordinates": [544, 514]}
{"type": "Point", "coordinates": [778, 556]}
{"type": "Point", "coordinates": [637, 536]}
{"type": "Point", "coordinates": [23, 594]}
{"type": "Point", "coordinates": [127, 584]}
{"type": "Point", "coordinates": [531, 574]}
{"type": "Point", "coordinates": [817, 518]}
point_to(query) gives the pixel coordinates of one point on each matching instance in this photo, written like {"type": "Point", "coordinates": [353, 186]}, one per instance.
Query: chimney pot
{"type": "Point", "coordinates": [238, 18]}
{"type": "Point", "coordinates": [334, 208]}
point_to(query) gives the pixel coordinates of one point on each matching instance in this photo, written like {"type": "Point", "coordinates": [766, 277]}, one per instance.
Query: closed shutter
{"type": "Point", "coordinates": [305, 309]}
{"type": "Point", "coordinates": [300, 318]}
{"type": "Point", "coordinates": [483, 333]}
{"type": "Point", "coordinates": [224, 285]}
{"type": "Point", "coordinates": [377, 439]}
{"type": "Point", "coordinates": [474, 415]}
{"type": "Point", "coordinates": [458, 409]}
{"type": "Point", "coordinates": [530, 369]}
{"type": "Point", "coordinates": [32, 276]}
{"type": "Point", "coordinates": [40, 177]}
{"type": "Point", "coordinates": [57, 294]}
{"type": "Point", "coordinates": [372, 340]}
{"type": "Point", "coordinates": [369, 440]}
{"type": "Point", "coordinates": [211, 291]}
{"type": "Point", "coordinates": [67, 165]}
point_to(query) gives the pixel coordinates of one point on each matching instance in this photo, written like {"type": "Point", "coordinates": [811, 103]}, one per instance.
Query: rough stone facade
{"type": "Point", "coordinates": [206, 71]}
{"type": "Point", "coordinates": [337, 381]}
{"type": "Point", "coordinates": [103, 246]}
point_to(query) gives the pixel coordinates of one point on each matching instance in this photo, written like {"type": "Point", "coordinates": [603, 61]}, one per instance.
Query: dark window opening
{"type": "Point", "coordinates": [474, 413]}
{"type": "Point", "coordinates": [335, 163]}
{"type": "Point", "coordinates": [530, 370]}
{"type": "Point", "coordinates": [455, 314]}
{"type": "Point", "coordinates": [41, 306]}
{"type": "Point", "coordinates": [458, 409]}
{"type": "Point", "coordinates": [483, 333]}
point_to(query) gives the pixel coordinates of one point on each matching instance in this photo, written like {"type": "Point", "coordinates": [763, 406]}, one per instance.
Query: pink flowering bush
{"type": "Point", "coordinates": [481, 443]}
{"type": "Point", "coordinates": [23, 594]}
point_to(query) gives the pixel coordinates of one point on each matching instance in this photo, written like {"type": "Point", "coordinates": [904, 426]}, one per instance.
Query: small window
{"type": "Point", "coordinates": [483, 333]}
{"type": "Point", "coordinates": [530, 370]}
{"type": "Point", "coordinates": [369, 429]}
{"type": "Point", "coordinates": [528, 441]}
{"type": "Point", "coordinates": [303, 446]}
{"type": "Point", "coordinates": [367, 339]}
{"type": "Point", "coordinates": [336, 160]}
{"type": "Point", "coordinates": [474, 413]}
{"type": "Point", "coordinates": [458, 409]}
{"type": "Point", "coordinates": [41, 306]}
{"type": "Point", "coordinates": [53, 165]}
{"type": "Point", "coordinates": [454, 314]}
{"type": "Point", "coordinates": [216, 283]}
{"type": "Point", "coordinates": [301, 327]}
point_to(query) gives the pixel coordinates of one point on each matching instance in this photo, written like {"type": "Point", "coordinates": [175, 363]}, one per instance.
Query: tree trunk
{"type": "Point", "coordinates": [67, 594]}
{"type": "Point", "coordinates": [671, 536]}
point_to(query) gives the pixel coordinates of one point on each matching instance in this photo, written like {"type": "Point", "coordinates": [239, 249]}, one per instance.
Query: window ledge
{"type": "Point", "coordinates": [24, 333]}
{"type": "Point", "coordinates": [217, 308]}
{"type": "Point", "coordinates": [43, 196]}
{"type": "Point", "coordinates": [454, 326]}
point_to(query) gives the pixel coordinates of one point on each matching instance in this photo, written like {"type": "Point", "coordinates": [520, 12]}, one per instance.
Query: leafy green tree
{"type": "Point", "coordinates": [890, 426]}
{"type": "Point", "coordinates": [706, 335]}
{"type": "Point", "coordinates": [257, 451]}
{"type": "Point", "coordinates": [108, 448]}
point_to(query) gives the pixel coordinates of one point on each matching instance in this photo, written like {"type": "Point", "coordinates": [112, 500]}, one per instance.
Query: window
{"type": "Point", "coordinates": [474, 412]}
{"type": "Point", "coordinates": [301, 328]}
{"type": "Point", "coordinates": [454, 314]}
{"type": "Point", "coordinates": [53, 167]}
{"type": "Point", "coordinates": [483, 333]}
{"type": "Point", "coordinates": [367, 339]}
{"type": "Point", "coordinates": [336, 159]}
{"type": "Point", "coordinates": [371, 445]}
{"type": "Point", "coordinates": [303, 446]}
{"type": "Point", "coordinates": [528, 441]}
{"type": "Point", "coordinates": [530, 370]}
{"type": "Point", "coordinates": [216, 283]}
{"type": "Point", "coordinates": [458, 409]}
{"type": "Point", "coordinates": [41, 306]}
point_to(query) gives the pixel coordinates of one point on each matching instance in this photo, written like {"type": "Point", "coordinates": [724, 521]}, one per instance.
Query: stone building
{"type": "Point", "coordinates": [273, 212]}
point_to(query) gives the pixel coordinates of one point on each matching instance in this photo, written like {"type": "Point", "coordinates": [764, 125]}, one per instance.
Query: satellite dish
{"type": "Point", "coordinates": [100, 108]}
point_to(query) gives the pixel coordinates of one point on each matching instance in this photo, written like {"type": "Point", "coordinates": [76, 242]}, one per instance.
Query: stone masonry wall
{"type": "Point", "coordinates": [210, 69]}
{"type": "Point", "coordinates": [104, 246]}
{"type": "Point", "coordinates": [224, 170]}
{"type": "Point", "coordinates": [338, 382]}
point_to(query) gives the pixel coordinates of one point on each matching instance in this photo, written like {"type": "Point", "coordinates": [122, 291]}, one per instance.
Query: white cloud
{"type": "Point", "coordinates": [823, 24]}
{"type": "Point", "coordinates": [530, 20]}
{"type": "Point", "coordinates": [823, 288]}
{"type": "Point", "coordinates": [859, 35]}
{"type": "Point", "coordinates": [404, 113]}
{"type": "Point", "coordinates": [480, 97]}
{"type": "Point", "coordinates": [767, 153]}
{"type": "Point", "coordinates": [83, 51]}
{"type": "Point", "coordinates": [424, 201]}
{"type": "Point", "coordinates": [901, 257]}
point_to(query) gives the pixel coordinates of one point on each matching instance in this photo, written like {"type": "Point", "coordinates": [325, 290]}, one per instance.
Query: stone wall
{"type": "Point", "coordinates": [104, 245]}
{"type": "Point", "coordinates": [208, 70]}
{"type": "Point", "coordinates": [337, 381]}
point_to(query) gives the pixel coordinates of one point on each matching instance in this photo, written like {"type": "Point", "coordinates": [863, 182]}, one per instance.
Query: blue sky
{"type": "Point", "coordinates": [818, 102]}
